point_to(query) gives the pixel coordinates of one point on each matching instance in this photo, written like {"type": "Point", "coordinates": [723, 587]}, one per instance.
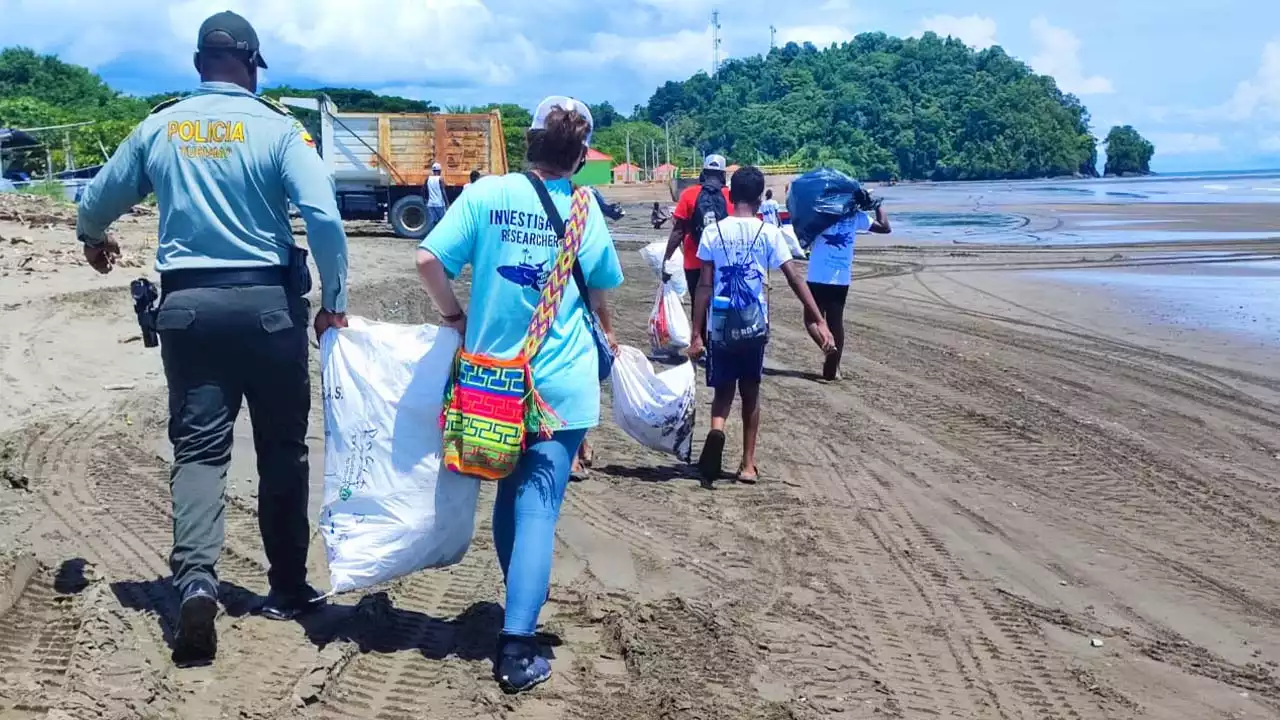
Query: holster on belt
{"type": "Point", "coordinates": [299, 273]}
{"type": "Point", "coordinates": [145, 296]}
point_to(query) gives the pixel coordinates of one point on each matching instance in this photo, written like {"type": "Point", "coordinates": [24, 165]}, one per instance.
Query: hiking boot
{"type": "Point", "coordinates": [287, 605]}
{"type": "Point", "coordinates": [196, 641]}
{"type": "Point", "coordinates": [520, 665]}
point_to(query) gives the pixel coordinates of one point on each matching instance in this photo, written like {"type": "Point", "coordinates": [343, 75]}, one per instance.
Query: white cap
{"type": "Point", "coordinates": [561, 101]}
{"type": "Point", "coordinates": [714, 162]}
{"type": "Point", "coordinates": [436, 167]}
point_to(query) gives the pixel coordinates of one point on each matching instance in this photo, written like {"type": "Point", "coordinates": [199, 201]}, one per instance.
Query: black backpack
{"type": "Point", "coordinates": [710, 207]}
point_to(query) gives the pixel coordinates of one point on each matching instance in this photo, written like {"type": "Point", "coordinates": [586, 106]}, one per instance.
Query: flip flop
{"type": "Point", "coordinates": [711, 461]}
{"type": "Point", "coordinates": [752, 480]}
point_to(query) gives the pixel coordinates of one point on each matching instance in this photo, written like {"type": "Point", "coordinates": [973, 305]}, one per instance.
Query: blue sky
{"type": "Point", "coordinates": [1200, 79]}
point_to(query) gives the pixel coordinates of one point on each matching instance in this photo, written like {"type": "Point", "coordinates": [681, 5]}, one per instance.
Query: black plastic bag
{"type": "Point", "coordinates": [818, 199]}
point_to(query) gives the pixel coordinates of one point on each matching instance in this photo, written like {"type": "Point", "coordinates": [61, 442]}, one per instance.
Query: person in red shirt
{"type": "Point", "coordinates": [685, 227]}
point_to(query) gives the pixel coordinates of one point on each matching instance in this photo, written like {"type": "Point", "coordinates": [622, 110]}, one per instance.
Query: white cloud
{"type": "Point", "coordinates": [1059, 56]}
{"type": "Point", "coordinates": [840, 18]}
{"type": "Point", "coordinates": [433, 42]}
{"type": "Point", "coordinates": [1271, 143]}
{"type": "Point", "coordinates": [1259, 95]}
{"type": "Point", "coordinates": [679, 54]}
{"type": "Point", "coordinates": [973, 30]}
{"type": "Point", "coordinates": [1184, 143]}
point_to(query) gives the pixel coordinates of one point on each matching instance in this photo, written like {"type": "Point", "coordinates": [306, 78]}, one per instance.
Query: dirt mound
{"type": "Point", "coordinates": [36, 211]}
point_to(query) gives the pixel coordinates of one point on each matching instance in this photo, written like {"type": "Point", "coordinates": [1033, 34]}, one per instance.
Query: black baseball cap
{"type": "Point", "coordinates": [229, 31]}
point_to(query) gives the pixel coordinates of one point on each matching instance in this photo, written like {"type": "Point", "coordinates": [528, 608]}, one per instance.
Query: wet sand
{"type": "Point", "coordinates": [1023, 501]}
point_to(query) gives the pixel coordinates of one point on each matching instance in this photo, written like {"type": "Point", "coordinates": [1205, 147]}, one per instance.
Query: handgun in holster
{"type": "Point", "coordinates": [299, 273]}
{"type": "Point", "coordinates": [145, 297]}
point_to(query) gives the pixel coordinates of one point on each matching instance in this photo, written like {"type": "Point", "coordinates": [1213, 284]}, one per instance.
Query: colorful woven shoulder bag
{"type": "Point", "coordinates": [491, 404]}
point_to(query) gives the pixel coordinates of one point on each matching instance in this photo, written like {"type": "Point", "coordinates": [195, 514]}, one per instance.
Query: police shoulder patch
{"type": "Point", "coordinates": [273, 104]}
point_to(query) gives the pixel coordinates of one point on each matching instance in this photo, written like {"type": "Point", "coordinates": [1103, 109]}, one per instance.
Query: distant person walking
{"type": "Point", "coordinates": [224, 165]}
{"type": "Point", "coordinates": [831, 272]}
{"type": "Point", "coordinates": [510, 235]}
{"type": "Point", "coordinates": [737, 254]}
{"type": "Point", "coordinates": [699, 206]}
{"type": "Point", "coordinates": [437, 198]}
{"type": "Point", "coordinates": [769, 210]}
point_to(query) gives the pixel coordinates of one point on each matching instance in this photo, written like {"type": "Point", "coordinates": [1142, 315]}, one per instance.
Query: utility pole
{"type": "Point", "coordinates": [773, 37]}
{"type": "Point", "coordinates": [666, 124]}
{"type": "Point", "coordinates": [628, 157]}
{"type": "Point", "coordinates": [715, 42]}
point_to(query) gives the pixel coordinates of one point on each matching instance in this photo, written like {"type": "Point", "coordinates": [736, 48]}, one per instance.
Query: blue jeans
{"type": "Point", "coordinates": [435, 213]}
{"type": "Point", "coordinates": [524, 525]}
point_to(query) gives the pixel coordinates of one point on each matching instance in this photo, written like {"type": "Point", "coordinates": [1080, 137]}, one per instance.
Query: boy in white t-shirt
{"type": "Point", "coordinates": [831, 269]}
{"type": "Point", "coordinates": [737, 254]}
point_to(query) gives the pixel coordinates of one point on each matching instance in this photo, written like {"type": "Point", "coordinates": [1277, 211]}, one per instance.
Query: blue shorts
{"type": "Point", "coordinates": [726, 367]}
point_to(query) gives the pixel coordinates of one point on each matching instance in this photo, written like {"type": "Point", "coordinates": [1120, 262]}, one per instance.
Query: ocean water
{"type": "Point", "coordinates": [1196, 291]}
{"type": "Point", "coordinates": [1245, 187]}
{"type": "Point", "coordinates": [1233, 297]}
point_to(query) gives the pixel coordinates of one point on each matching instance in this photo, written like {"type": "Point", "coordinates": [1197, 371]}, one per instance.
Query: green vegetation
{"type": "Point", "coordinates": [1128, 153]}
{"type": "Point", "coordinates": [39, 91]}
{"type": "Point", "coordinates": [884, 107]}
{"type": "Point", "coordinates": [46, 188]}
{"type": "Point", "coordinates": [877, 107]}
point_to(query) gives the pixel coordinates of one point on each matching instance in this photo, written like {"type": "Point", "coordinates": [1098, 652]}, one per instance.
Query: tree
{"type": "Point", "coordinates": [922, 108]}
{"type": "Point", "coordinates": [40, 90]}
{"type": "Point", "coordinates": [1128, 153]}
{"type": "Point", "coordinates": [603, 115]}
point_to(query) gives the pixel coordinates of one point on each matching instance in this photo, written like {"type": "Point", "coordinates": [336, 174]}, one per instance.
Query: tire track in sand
{"type": "Point", "coordinates": [406, 640]}
{"type": "Point", "coordinates": [113, 498]}
{"type": "Point", "coordinates": [997, 661]}
{"type": "Point", "coordinates": [38, 636]}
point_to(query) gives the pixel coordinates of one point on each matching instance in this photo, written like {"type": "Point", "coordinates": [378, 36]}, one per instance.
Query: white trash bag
{"type": "Point", "coordinates": [669, 330]}
{"type": "Point", "coordinates": [390, 509]}
{"type": "Point", "coordinates": [793, 244]}
{"type": "Point", "coordinates": [652, 254]}
{"type": "Point", "coordinates": [656, 409]}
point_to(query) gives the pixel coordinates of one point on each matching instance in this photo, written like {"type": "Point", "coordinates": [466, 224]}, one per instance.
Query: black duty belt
{"type": "Point", "coordinates": [176, 280]}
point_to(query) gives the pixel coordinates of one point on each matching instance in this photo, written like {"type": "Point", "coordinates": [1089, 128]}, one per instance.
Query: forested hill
{"type": "Point", "coordinates": [882, 107]}
{"type": "Point", "coordinates": [877, 107]}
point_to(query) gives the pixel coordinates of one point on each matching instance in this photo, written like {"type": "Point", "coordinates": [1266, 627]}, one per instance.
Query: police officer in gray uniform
{"type": "Point", "coordinates": [224, 164]}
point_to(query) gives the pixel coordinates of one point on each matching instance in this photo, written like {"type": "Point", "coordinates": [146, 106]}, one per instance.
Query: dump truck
{"type": "Point", "coordinates": [380, 161]}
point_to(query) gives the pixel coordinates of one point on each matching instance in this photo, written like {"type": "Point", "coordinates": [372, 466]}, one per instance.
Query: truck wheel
{"type": "Point", "coordinates": [409, 217]}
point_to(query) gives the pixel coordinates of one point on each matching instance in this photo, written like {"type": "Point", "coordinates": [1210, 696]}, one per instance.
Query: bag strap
{"type": "Point", "coordinates": [566, 262]}
{"type": "Point", "coordinates": [558, 226]}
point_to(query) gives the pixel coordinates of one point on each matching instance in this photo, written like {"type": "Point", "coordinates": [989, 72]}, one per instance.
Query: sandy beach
{"type": "Point", "coordinates": [1035, 494]}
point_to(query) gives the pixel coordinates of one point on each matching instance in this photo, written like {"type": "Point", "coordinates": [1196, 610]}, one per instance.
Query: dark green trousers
{"type": "Point", "coordinates": [222, 346]}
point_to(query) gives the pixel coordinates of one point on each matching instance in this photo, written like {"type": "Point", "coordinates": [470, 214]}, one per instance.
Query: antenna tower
{"type": "Point", "coordinates": [715, 42]}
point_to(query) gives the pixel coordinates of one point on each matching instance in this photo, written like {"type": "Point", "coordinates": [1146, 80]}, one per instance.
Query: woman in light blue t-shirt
{"type": "Point", "coordinates": [500, 229]}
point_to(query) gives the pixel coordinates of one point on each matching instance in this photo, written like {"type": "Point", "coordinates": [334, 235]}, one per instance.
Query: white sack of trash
{"type": "Point", "coordinates": [669, 330]}
{"type": "Point", "coordinates": [657, 409]}
{"type": "Point", "coordinates": [652, 254]}
{"type": "Point", "coordinates": [390, 509]}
